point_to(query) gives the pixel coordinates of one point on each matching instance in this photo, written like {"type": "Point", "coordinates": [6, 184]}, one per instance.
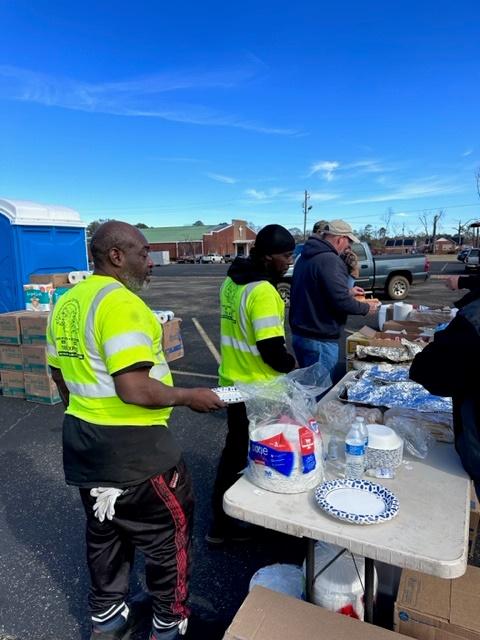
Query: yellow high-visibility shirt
{"type": "Point", "coordinates": [97, 329]}
{"type": "Point", "coordinates": [249, 313]}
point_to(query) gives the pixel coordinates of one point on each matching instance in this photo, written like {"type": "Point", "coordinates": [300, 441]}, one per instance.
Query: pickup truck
{"type": "Point", "coordinates": [391, 274]}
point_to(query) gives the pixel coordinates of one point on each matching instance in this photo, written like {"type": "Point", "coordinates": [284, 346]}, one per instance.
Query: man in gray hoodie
{"type": "Point", "coordinates": [320, 298]}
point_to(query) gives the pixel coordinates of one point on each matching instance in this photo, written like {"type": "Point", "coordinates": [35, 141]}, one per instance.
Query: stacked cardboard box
{"type": "Point", "coordinates": [24, 371]}
{"type": "Point", "coordinates": [392, 334]}
{"type": "Point", "coordinates": [429, 608]}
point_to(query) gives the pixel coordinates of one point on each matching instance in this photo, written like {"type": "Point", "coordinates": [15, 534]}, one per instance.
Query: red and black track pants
{"type": "Point", "coordinates": [154, 517]}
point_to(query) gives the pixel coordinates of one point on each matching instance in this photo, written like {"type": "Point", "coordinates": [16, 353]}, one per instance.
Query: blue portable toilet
{"type": "Point", "coordinates": [36, 238]}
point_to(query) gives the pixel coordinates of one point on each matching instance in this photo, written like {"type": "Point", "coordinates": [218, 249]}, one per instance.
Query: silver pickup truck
{"type": "Point", "coordinates": [391, 274]}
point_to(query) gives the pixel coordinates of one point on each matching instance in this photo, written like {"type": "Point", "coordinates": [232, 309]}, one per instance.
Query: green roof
{"type": "Point", "coordinates": [177, 234]}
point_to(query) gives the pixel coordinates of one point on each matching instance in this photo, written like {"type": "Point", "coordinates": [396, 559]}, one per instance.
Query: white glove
{"type": "Point", "coordinates": [105, 501]}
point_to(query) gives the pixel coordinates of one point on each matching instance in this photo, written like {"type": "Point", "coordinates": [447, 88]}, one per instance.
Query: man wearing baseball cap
{"type": "Point", "coordinates": [320, 298]}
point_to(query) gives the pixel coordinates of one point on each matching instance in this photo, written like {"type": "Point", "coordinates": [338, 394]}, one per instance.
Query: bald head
{"type": "Point", "coordinates": [114, 235]}
{"type": "Point", "coordinates": [120, 250]}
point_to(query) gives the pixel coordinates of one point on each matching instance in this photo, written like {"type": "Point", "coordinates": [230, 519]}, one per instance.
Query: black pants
{"type": "Point", "coordinates": [233, 459]}
{"type": "Point", "coordinates": [154, 517]}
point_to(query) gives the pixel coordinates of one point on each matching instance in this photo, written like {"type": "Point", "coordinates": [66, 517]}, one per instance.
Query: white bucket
{"type": "Point", "coordinates": [340, 588]}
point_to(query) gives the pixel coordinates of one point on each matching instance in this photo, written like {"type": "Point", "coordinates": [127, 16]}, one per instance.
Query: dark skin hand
{"type": "Point", "coordinates": [136, 387]}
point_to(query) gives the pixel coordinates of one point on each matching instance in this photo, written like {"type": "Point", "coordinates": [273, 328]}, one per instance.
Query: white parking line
{"type": "Point", "coordinates": [444, 267]}
{"type": "Point", "coordinates": [206, 339]}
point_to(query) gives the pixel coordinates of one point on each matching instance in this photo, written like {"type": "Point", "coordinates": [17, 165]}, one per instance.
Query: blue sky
{"type": "Point", "coordinates": [166, 113]}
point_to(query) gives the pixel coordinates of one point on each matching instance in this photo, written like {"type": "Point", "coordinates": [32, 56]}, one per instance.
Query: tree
{"type": "Point", "coordinates": [198, 223]}
{"type": "Point", "coordinates": [93, 226]}
{"type": "Point", "coordinates": [297, 234]}
{"type": "Point", "coordinates": [141, 225]}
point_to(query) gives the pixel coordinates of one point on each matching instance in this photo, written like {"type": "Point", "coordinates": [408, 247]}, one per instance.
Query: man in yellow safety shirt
{"type": "Point", "coordinates": [252, 349]}
{"type": "Point", "coordinates": [104, 348]}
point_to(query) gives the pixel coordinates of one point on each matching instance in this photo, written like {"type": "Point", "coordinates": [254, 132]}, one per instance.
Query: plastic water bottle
{"type": "Point", "coordinates": [333, 448]}
{"type": "Point", "coordinates": [354, 452]}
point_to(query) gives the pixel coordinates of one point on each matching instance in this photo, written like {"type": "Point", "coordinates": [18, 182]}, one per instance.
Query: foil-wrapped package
{"type": "Point", "coordinates": [405, 352]}
{"type": "Point", "coordinates": [388, 373]}
{"type": "Point", "coordinates": [409, 395]}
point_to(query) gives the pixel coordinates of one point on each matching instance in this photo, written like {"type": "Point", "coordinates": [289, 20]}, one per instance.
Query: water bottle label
{"type": "Point", "coordinates": [274, 452]}
{"type": "Point", "coordinates": [354, 449]}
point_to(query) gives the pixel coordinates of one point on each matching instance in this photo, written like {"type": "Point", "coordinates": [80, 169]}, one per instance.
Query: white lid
{"type": "Point", "coordinates": [24, 212]}
{"type": "Point", "coordinates": [382, 437]}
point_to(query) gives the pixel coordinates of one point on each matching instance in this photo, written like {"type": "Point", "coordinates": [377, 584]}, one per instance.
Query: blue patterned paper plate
{"type": "Point", "coordinates": [357, 501]}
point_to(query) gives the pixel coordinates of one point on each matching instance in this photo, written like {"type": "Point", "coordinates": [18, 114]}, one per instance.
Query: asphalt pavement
{"type": "Point", "coordinates": [43, 576]}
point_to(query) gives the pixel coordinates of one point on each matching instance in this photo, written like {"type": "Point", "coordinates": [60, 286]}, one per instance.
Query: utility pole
{"type": "Point", "coordinates": [436, 218]}
{"type": "Point", "coordinates": [306, 209]}
{"type": "Point", "coordinates": [460, 229]}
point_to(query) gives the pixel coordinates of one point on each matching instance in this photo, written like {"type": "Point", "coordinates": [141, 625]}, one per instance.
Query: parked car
{"type": "Point", "coordinates": [229, 257]}
{"type": "Point", "coordinates": [392, 274]}
{"type": "Point", "coordinates": [463, 253]}
{"type": "Point", "coordinates": [212, 258]}
{"type": "Point", "coordinates": [471, 260]}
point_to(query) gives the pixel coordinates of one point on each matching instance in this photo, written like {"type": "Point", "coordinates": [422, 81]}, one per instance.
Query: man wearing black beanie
{"type": "Point", "coordinates": [253, 349]}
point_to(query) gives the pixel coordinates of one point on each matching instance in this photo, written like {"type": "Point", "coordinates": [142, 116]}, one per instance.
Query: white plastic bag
{"type": "Point", "coordinates": [283, 578]}
{"type": "Point", "coordinates": [285, 451]}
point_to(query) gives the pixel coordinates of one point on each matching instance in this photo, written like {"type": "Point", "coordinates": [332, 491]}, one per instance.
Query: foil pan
{"type": "Point", "coordinates": [388, 373]}
{"type": "Point", "coordinates": [408, 395]}
{"type": "Point", "coordinates": [405, 352]}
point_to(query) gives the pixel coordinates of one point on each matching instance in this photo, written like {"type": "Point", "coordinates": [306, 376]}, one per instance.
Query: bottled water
{"type": "Point", "coordinates": [333, 448]}
{"type": "Point", "coordinates": [363, 430]}
{"type": "Point", "coordinates": [354, 452]}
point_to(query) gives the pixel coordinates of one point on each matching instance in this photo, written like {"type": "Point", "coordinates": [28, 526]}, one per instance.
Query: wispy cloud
{"type": "Point", "coordinates": [151, 96]}
{"type": "Point", "coordinates": [264, 196]}
{"type": "Point", "coordinates": [412, 190]}
{"type": "Point", "coordinates": [325, 167]}
{"type": "Point", "coordinates": [218, 177]}
{"type": "Point", "coordinates": [467, 153]}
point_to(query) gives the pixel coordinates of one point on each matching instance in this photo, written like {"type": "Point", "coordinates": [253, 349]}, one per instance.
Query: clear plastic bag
{"type": "Point", "coordinates": [285, 450]}
{"type": "Point", "coordinates": [409, 426]}
{"type": "Point", "coordinates": [283, 578]}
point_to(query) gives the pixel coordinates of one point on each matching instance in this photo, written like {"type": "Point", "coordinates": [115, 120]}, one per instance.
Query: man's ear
{"type": "Point", "coordinates": [116, 256]}
{"type": "Point", "coordinates": [268, 258]}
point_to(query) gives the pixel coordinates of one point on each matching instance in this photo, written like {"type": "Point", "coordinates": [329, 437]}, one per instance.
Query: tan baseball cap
{"type": "Point", "coordinates": [340, 228]}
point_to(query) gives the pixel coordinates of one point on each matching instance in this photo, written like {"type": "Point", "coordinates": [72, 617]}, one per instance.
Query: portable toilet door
{"type": "Point", "coordinates": [36, 238]}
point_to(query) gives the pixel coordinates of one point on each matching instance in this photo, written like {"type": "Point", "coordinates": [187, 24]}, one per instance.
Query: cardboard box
{"type": "Point", "coordinates": [13, 384]}
{"type": "Point", "coordinates": [369, 337]}
{"type": "Point", "coordinates": [38, 297]}
{"type": "Point", "coordinates": [34, 328]}
{"type": "Point", "coordinates": [11, 357]}
{"type": "Point", "coordinates": [35, 359]}
{"type": "Point", "coordinates": [268, 615]}
{"type": "Point", "coordinates": [172, 340]}
{"type": "Point", "coordinates": [430, 608]}
{"type": "Point", "coordinates": [474, 527]}
{"type": "Point", "coordinates": [41, 388]}
{"type": "Point", "coordinates": [56, 279]}
{"type": "Point", "coordinates": [10, 331]}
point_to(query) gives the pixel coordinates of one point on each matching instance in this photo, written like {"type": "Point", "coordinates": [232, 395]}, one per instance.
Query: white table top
{"type": "Point", "coordinates": [429, 534]}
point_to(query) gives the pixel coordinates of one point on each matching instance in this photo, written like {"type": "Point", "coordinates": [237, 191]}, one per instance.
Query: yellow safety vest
{"type": "Point", "coordinates": [99, 328]}
{"type": "Point", "coordinates": [249, 313]}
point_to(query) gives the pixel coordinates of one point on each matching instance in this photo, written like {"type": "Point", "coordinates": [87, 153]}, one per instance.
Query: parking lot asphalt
{"type": "Point", "coordinates": [43, 576]}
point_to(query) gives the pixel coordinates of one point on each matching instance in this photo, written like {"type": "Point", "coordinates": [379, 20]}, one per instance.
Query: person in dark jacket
{"type": "Point", "coordinates": [320, 298]}
{"type": "Point", "coordinates": [433, 368]}
{"type": "Point", "coordinates": [252, 349]}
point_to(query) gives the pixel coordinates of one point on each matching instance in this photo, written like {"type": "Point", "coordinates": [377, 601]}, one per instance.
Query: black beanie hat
{"type": "Point", "coordinates": [273, 239]}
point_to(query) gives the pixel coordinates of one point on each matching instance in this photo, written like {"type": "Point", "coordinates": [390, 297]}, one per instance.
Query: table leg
{"type": "Point", "coordinates": [369, 589]}
{"type": "Point", "coordinates": [309, 570]}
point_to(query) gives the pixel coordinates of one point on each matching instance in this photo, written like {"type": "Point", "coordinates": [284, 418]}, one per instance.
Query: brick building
{"type": "Point", "coordinates": [189, 241]}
